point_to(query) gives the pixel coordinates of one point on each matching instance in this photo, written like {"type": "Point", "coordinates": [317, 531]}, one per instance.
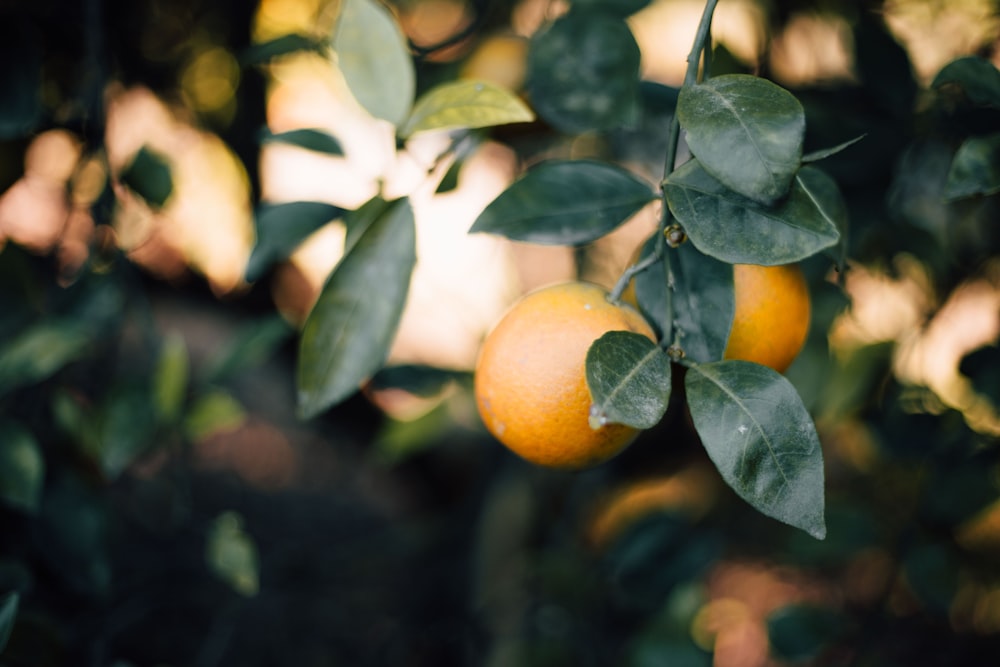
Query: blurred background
{"type": "Point", "coordinates": [173, 178]}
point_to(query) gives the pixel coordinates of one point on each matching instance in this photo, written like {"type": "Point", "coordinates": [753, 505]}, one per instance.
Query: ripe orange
{"type": "Point", "coordinates": [530, 381]}
{"type": "Point", "coordinates": [771, 319]}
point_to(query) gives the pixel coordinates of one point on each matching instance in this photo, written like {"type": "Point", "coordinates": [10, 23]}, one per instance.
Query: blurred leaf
{"type": "Point", "coordinates": [22, 468]}
{"type": "Point", "coordinates": [231, 554]}
{"type": "Point", "coordinates": [418, 380]}
{"type": "Point", "coordinates": [8, 614]}
{"type": "Point", "coordinates": [933, 574]}
{"type": "Point", "coordinates": [565, 202]}
{"type": "Point", "coordinates": [761, 439]}
{"type": "Point", "coordinates": [978, 77]}
{"type": "Point", "coordinates": [957, 492]}
{"type": "Point", "coordinates": [801, 632]}
{"type": "Point", "coordinates": [975, 170]}
{"type": "Point", "coordinates": [280, 46]}
{"type": "Point", "coordinates": [883, 66]}
{"type": "Point", "coordinates": [20, 84]}
{"type": "Point", "coordinates": [372, 54]}
{"type": "Point", "coordinates": [399, 440]}
{"type": "Point", "coordinates": [40, 352]}
{"type": "Point", "coordinates": [253, 344]}
{"type": "Point", "coordinates": [629, 380]}
{"type": "Point", "coordinates": [855, 379]}
{"type": "Point", "coordinates": [71, 535]}
{"type": "Point", "coordinates": [123, 430]}
{"type": "Point", "coordinates": [824, 153]}
{"type": "Point", "coordinates": [826, 197]}
{"type": "Point", "coordinates": [734, 229]}
{"type": "Point", "coordinates": [746, 132]}
{"type": "Point", "coordinates": [212, 413]}
{"type": "Point", "coordinates": [170, 378]}
{"type": "Point", "coordinates": [465, 104]}
{"type": "Point", "coordinates": [704, 302]}
{"type": "Point", "coordinates": [621, 8]}
{"type": "Point", "coordinates": [310, 139]}
{"type": "Point", "coordinates": [583, 72]}
{"type": "Point", "coordinates": [148, 175]}
{"type": "Point", "coordinates": [982, 367]}
{"type": "Point", "coordinates": [347, 334]}
{"type": "Point", "coordinates": [281, 228]}
{"type": "Point", "coordinates": [358, 221]}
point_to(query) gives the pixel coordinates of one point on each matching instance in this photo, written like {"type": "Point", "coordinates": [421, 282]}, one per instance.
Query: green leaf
{"type": "Point", "coordinates": [347, 335]}
{"type": "Point", "coordinates": [310, 139]}
{"type": "Point", "coordinates": [620, 8]}
{"type": "Point", "coordinates": [583, 72]}
{"type": "Point", "coordinates": [565, 202]}
{"type": "Point", "coordinates": [746, 132]}
{"type": "Point", "coordinates": [358, 221]}
{"type": "Point", "coordinates": [829, 203]}
{"type": "Point", "coordinates": [214, 412]}
{"type": "Point", "coordinates": [761, 438]}
{"type": "Point", "coordinates": [373, 56]}
{"type": "Point", "coordinates": [8, 613]}
{"type": "Point", "coordinates": [423, 381]}
{"type": "Point", "coordinates": [975, 169]}
{"type": "Point", "coordinates": [22, 468]}
{"type": "Point", "coordinates": [72, 534]}
{"type": "Point", "coordinates": [280, 46]}
{"type": "Point", "coordinates": [170, 378]}
{"type": "Point", "coordinates": [253, 344]}
{"type": "Point", "coordinates": [465, 104]}
{"type": "Point", "coordinates": [282, 227]}
{"type": "Point", "coordinates": [231, 554]}
{"type": "Point", "coordinates": [704, 302]}
{"type": "Point", "coordinates": [40, 352]}
{"type": "Point", "coordinates": [802, 632]}
{"type": "Point", "coordinates": [734, 229]}
{"type": "Point", "coordinates": [122, 432]}
{"type": "Point", "coordinates": [978, 77]}
{"type": "Point", "coordinates": [824, 153]}
{"type": "Point", "coordinates": [629, 380]}
{"type": "Point", "coordinates": [148, 175]}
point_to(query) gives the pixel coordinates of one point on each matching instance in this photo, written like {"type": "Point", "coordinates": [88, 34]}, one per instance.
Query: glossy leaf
{"type": "Point", "coordinates": [8, 614]}
{"type": "Point", "coordinates": [746, 132]}
{"type": "Point", "coordinates": [703, 302]}
{"type": "Point", "coordinates": [629, 380]}
{"type": "Point", "coordinates": [734, 229]}
{"type": "Point", "coordinates": [373, 56]}
{"type": "Point", "coordinates": [275, 48]}
{"type": "Point", "coordinates": [829, 203]}
{"type": "Point", "coordinates": [347, 335]}
{"type": "Point", "coordinates": [583, 72]}
{"type": "Point", "coordinates": [148, 175]}
{"type": "Point", "coordinates": [761, 438]}
{"type": "Point", "coordinates": [170, 378]}
{"type": "Point", "coordinates": [568, 202]}
{"type": "Point", "coordinates": [214, 412]}
{"type": "Point", "coordinates": [310, 139]}
{"type": "Point", "coordinates": [465, 104]}
{"type": "Point", "coordinates": [282, 227]}
{"type": "Point", "coordinates": [231, 554]}
{"type": "Point", "coordinates": [41, 351]}
{"type": "Point", "coordinates": [975, 169]}
{"type": "Point", "coordinates": [22, 468]}
{"type": "Point", "coordinates": [978, 77]}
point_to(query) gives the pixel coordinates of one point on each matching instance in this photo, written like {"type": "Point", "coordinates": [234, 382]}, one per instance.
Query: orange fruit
{"type": "Point", "coordinates": [501, 59]}
{"type": "Point", "coordinates": [771, 318]}
{"type": "Point", "coordinates": [530, 379]}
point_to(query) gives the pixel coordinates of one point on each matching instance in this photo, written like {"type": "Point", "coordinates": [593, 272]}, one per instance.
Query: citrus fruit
{"type": "Point", "coordinates": [771, 318]}
{"type": "Point", "coordinates": [530, 380]}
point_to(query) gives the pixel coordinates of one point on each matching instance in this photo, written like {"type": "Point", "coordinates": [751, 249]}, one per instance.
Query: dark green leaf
{"type": "Point", "coordinates": [583, 72]}
{"type": "Point", "coordinates": [651, 287]}
{"type": "Point", "coordinates": [123, 431]}
{"type": "Point", "coordinates": [565, 203]}
{"type": "Point", "coordinates": [975, 170]}
{"type": "Point", "coordinates": [824, 153]}
{"type": "Point", "coordinates": [761, 438]}
{"type": "Point", "coordinates": [148, 175]}
{"type": "Point", "coordinates": [253, 344]}
{"type": "Point", "coordinates": [734, 229]}
{"type": "Point", "coordinates": [22, 468]}
{"type": "Point", "coordinates": [883, 66]}
{"type": "Point", "coordinates": [282, 227]}
{"type": "Point", "coordinates": [40, 352]}
{"type": "Point", "coordinates": [373, 56]}
{"type": "Point", "coordinates": [281, 46]}
{"type": "Point", "coordinates": [8, 613]}
{"type": "Point", "coordinates": [978, 77]}
{"type": "Point", "coordinates": [703, 302]}
{"type": "Point", "coordinates": [746, 132]}
{"type": "Point", "coordinates": [358, 221]}
{"type": "Point", "coordinates": [170, 378]}
{"type": "Point", "coordinates": [629, 380]}
{"type": "Point", "coordinates": [72, 535]}
{"type": "Point", "coordinates": [621, 8]}
{"type": "Point", "coordinates": [829, 203]}
{"type": "Point", "coordinates": [418, 380]}
{"type": "Point", "coordinates": [214, 412]}
{"type": "Point", "coordinates": [231, 554]}
{"type": "Point", "coordinates": [313, 140]}
{"type": "Point", "coordinates": [801, 632]}
{"type": "Point", "coordinates": [347, 335]}
{"type": "Point", "coordinates": [465, 104]}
